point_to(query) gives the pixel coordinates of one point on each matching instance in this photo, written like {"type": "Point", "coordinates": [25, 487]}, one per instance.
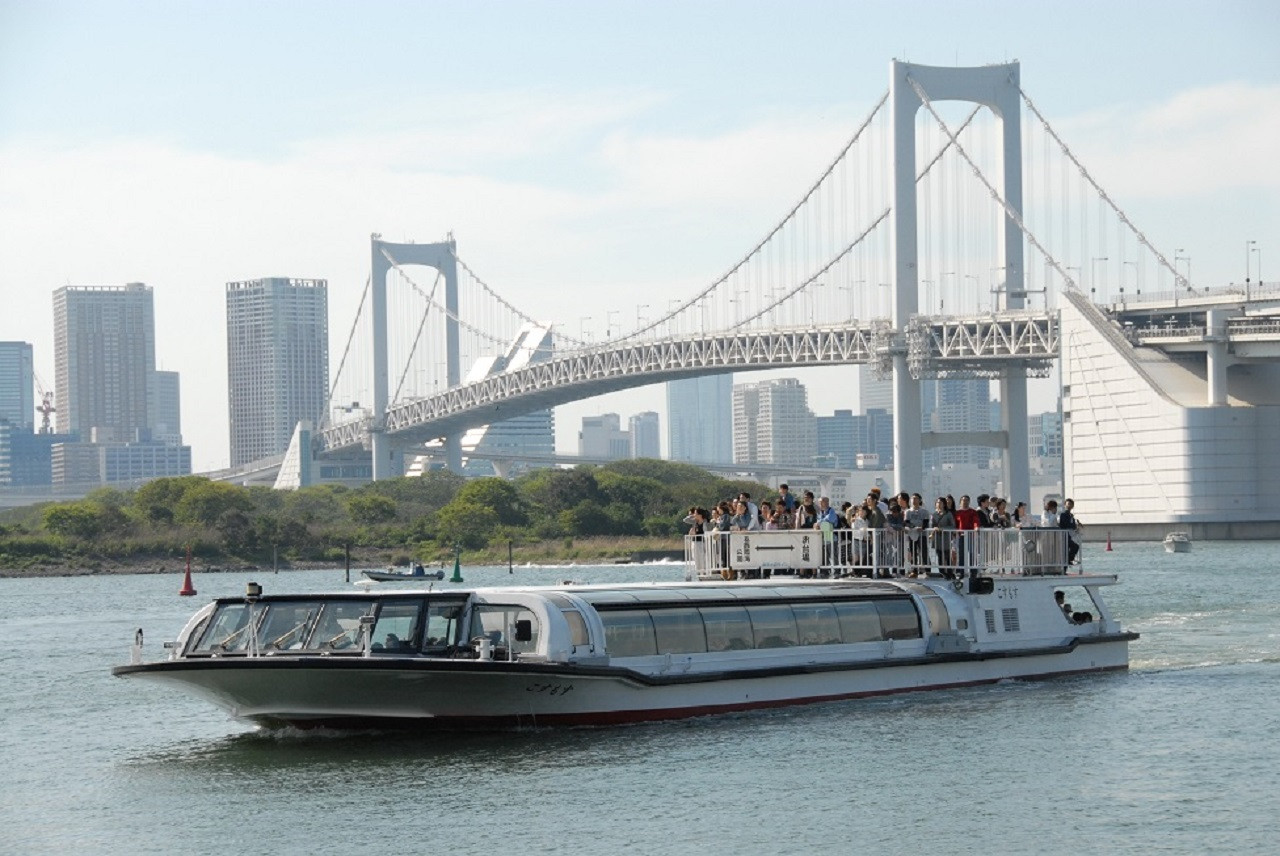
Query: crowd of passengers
{"type": "Point", "coordinates": [903, 512]}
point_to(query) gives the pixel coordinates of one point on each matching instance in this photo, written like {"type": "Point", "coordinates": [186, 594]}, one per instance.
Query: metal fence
{"type": "Point", "coordinates": [878, 552]}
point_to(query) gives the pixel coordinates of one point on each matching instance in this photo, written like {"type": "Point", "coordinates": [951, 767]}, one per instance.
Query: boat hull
{"type": "Point", "coordinates": [471, 694]}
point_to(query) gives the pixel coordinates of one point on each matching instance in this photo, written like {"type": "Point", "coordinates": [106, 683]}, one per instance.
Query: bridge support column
{"type": "Point", "coordinates": [908, 451]}
{"type": "Point", "coordinates": [1215, 323]}
{"type": "Point", "coordinates": [388, 463]}
{"type": "Point", "coordinates": [997, 88]}
{"type": "Point", "coordinates": [1016, 457]}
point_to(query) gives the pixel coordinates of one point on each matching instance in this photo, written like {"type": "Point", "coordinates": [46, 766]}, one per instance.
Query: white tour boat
{"type": "Point", "coordinates": [441, 658]}
{"type": "Point", "coordinates": [1177, 542]}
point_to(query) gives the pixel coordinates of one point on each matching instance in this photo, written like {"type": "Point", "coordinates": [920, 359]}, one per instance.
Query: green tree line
{"type": "Point", "coordinates": [422, 517]}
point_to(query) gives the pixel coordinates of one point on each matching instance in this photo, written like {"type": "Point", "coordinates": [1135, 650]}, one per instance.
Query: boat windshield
{"type": "Point", "coordinates": [327, 625]}
{"type": "Point", "coordinates": [286, 625]}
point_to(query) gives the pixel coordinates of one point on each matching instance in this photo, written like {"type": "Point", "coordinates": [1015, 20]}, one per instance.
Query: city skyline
{"type": "Point", "coordinates": [564, 162]}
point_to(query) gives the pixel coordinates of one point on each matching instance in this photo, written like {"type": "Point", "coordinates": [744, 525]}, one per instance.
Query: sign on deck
{"type": "Point", "coordinates": [750, 551]}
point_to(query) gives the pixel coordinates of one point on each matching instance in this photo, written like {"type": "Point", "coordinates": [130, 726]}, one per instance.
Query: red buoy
{"type": "Point", "coordinates": [188, 589]}
{"type": "Point", "coordinates": [1108, 542]}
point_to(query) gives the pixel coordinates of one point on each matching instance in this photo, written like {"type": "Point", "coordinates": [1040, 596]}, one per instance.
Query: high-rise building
{"type": "Point", "coordinates": [957, 405]}
{"type": "Point", "coordinates": [700, 419]}
{"type": "Point", "coordinates": [646, 437]}
{"type": "Point", "coordinates": [105, 357]}
{"type": "Point", "coordinates": [277, 362]}
{"type": "Point", "coordinates": [837, 440]}
{"type": "Point", "coordinates": [1044, 434]}
{"type": "Point", "coordinates": [879, 437]}
{"type": "Point", "coordinates": [772, 424]}
{"type": "Point", "coordinates": [17, 389]}
{"type": "Point", "coordinates": [874, 392]}
{"type": "Point", "coordinates": [166, 423]}
{"type": "Point", "coordinates": [602, 437]}
{"type": "Point", "coordinates": [946, 405]}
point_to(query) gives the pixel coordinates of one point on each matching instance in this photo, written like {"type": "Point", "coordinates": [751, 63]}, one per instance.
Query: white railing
{"type": "Point", "coordinates": [877, 553]}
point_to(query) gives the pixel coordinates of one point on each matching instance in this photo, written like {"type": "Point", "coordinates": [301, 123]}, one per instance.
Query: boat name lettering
{"type": "Point", "coordinates": [549, 689]}
{"type": "Point", "coordinates": [1007, 592]}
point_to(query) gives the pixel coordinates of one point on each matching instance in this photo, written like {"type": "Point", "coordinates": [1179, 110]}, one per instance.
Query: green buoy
{"type": "Point", "coordinates": [457, 565]}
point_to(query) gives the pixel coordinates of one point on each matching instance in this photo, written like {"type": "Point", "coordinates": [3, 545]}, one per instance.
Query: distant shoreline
{"type": "Point", "coordinates": [586, 551]}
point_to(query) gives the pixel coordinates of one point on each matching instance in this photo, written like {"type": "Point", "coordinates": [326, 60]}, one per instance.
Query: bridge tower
{"type": "Point", "coordinates": [997, 88]}
{"type": "Point", "coordinates": [388, 462]}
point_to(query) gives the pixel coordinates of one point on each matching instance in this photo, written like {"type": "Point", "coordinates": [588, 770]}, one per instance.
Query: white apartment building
{"type": "Point", "coordinates": [277, 362]}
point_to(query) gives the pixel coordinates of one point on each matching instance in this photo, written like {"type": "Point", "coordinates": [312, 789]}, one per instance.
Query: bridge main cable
{"type": "Point", "coordinates": [772, 232]}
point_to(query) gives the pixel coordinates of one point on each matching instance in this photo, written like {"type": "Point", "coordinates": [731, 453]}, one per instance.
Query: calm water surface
{"type": "Point", "coordinates": [1179, 755]}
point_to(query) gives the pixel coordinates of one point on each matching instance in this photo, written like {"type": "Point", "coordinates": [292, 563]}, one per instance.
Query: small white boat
{"type": "Point", "coordinates": [1177, 542]}
{"type": "Point", "coordinates": [416, 574]}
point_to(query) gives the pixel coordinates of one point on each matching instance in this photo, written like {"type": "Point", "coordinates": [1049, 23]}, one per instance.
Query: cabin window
{"type": "Point", "coordinates": [442, 624]}
{"type": "Point", "coordinates": [629, 633]}
{"type": "Point", "coordinates": [936, 611]}
{"type": "Point", "coordinates": [338, 628]}
{"type": "Point", "coordinates": [859, 622]}
{"type": "Point", "coordinates": [497, 622]}
{"type": "Point", "coordinates": [817, 623]}
{"type": "Point", "coordinates": [773, 626]}
{"type": "Point", "coordinates": [397, 627]}
{"type": "Point", "coordinates": [898, 619]}
{"type": "Point", "coordinates": [728, 628]}
{"type": "Point", "coordinates": [227, 631]}
{"type": "Point", "coordinates": [679, 631]}
{"type": "Point", "coordinates": [578, 635]}
{"type": "Point", "coordinates": [286, 625]}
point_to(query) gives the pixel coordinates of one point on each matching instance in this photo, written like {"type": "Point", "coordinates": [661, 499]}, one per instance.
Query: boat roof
{"type": "Point", "coordinates": [653, 591]}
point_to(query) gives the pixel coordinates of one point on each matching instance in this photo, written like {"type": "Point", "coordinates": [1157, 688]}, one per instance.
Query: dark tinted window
{"type": "Point", "coordinates": [898, 619]}
{"type": "Point", "coordinates": [679, 631]}
{"type": "Point", "coordinates": [773, 626]}
{"type": "Point", "coordinates": [728, 628]}
{"type": "Point", "coordinates": [628, 633]}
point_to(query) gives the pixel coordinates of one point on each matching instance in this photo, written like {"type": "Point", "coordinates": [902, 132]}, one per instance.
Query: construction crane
{"type": "Point", "coordinates": [45, 408]}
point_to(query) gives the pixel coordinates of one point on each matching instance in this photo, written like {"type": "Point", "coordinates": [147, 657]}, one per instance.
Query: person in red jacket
{"type": "Point", "coordinates": [967, 522]}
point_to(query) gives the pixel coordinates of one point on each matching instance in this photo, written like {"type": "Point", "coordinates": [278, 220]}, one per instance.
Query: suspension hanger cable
{"type": "Point", "coordinates": [772, 232]}
{"type": "Point", "coordinates": [325, 418]}
{"type": "Point", "coordinates": [1124, 218]}
{"type": "Point", "coordinates": [982, 177]}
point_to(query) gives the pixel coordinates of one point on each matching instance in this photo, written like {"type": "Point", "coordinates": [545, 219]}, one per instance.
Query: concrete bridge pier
{"type": "Point", "coordinates": [1016, 456]}
{"type": "Point", "coordinates": [1215, 323]}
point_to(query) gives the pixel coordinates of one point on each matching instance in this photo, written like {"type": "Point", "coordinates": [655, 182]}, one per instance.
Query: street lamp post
{"type": "Point", "coordinates": [995, 290]}
{"type": "Point", "coordinates": [977, 284]}
{"type": "Point", "coordinates": [1248, 251]}
{"type": "Point", "coordinates": [1178, 257]}
{"type": "Point", "coordinates": [582, 327]}
{"type": "Point", "coordinates": [639, 316]}
{"type": "Point", "coordinates": [1079, 275]}
{"type": "Point", "coordinates": [608, 323]}
{"type": "Point", "coordinates": [1137, 284]}
{"type": "Point", "coordinates": [1093, 275]}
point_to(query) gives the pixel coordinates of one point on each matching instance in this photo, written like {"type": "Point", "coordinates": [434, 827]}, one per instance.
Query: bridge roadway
{"type": "Point", "coordinates": [981, 344]}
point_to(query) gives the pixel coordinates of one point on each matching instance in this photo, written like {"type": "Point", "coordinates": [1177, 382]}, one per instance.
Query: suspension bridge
{"type": "Point", "coordinates": [947, 237]}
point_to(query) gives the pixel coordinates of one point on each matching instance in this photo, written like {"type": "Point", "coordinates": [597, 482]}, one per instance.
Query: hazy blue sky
{"type": "Point", "coordinates": [583, 153]}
